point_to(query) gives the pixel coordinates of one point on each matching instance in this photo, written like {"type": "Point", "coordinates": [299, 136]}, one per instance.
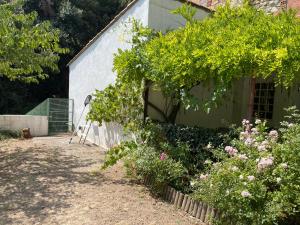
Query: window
{"type": "Point", "coordinates": [264, 100]}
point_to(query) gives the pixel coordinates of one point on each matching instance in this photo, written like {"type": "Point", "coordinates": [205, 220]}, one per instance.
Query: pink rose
{"type": "Point", "coordinates": [265, 162]}
{"type": "Point", "coordinates": [163, 156]}
{"type": "Point", "coordinates": [231, 150]}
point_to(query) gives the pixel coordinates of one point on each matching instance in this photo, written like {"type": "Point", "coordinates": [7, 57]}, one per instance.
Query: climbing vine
{"type": "Point", "coordinates": [230, 44]}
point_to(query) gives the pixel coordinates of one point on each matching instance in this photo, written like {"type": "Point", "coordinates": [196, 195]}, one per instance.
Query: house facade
{"type": "Point", "coordinates": [91, 69]}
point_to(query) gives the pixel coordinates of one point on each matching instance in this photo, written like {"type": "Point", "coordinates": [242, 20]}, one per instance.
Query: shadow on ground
{"type": "Point", "coordinates": [36, 181]}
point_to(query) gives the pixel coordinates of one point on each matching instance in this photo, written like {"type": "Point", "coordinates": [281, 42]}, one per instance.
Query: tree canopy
{"type": "Point", "coordinates": [78, 22]}
{"type": "Point", "coordinates": [234, 42]}
{"type": "Point", "coordinates": [27, 48]}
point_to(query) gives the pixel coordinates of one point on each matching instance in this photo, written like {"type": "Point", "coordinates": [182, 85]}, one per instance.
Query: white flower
{"type": "Point", "coordinates": [192, 183]}
{"type": "Point", "coordinates": [234, 168]}
{"type": "Point", "coordinates": [216, 164]}
{"type": "Point", "coordinates": [251, 178]}
{"type": "Point", "coordinates": [290, 125]}
{"type": "Point", "coordinates": [207, 161]}
{"type": "Point", "coordinates": [261, 148]}
{"type": "Point", "coordinates": [242, 157]}
{"type": "Point", "coordinates": [284, 165]}
{"type": "Point", "coordinates": [209, 146]}
{"type": "Point", "coordinates": [244, 135]}
{"type": "Point", "coordinates": [278, 179]}
{"type": "Point", "coordinates": [257, 121]}
{"type": "Point", "coordinates": [203, 176]}
{"type": "Point", "coordinates": [245, 122]}
{"type": "Point", "coordinates": [241, 177]}
{"type": "Point", "coordinates": [246, 194]}
{"type": "Point", "coordinates": [254, 130]}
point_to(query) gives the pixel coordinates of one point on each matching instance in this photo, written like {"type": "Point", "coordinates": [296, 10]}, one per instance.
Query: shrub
{"type": "Point", "coordinates": [6, 134]}
{"type": "Point", "coordinates": [196, 144]}
{"type": "Point", "coordinates": [145, 161]}
{"type": "Point", "coordinates": [257, 182]}
{"type": "Point", "coordinates": [186, 149]}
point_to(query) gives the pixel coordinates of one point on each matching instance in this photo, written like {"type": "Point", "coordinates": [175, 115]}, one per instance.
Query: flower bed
{"type": "Point", "coordinates": [256, 181]}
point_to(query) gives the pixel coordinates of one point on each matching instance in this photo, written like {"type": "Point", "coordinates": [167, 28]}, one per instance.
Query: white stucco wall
{"type": "Point", "coordinates": [161, 18]}
{"type": "Point", "coordinates": [38, 124]}
{"type": "Point", "coordinates": [93, 70]}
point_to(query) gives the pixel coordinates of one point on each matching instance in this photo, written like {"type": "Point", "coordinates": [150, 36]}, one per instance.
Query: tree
{"type": "Point", "coordinates": [27, 48]}
{"type": "Point", "coordinates": [78, 22]}
{"type": "Point", "coordinates": [231, 44]}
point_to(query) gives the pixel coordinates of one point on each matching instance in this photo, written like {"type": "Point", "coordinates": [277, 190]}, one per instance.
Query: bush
{"type": "Point", "coordinates": [5, 134]}
{"type": "Point", "coordinates": [145, 161]}
{"type": "Point", "coordinates": [257, 182]}
{"type": "Point", "coordinates": [196, 143]}
{"type": "Point", "coordinates": [186, 149]}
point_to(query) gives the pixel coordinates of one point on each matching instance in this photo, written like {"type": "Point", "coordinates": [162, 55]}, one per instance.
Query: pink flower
{"type": "Point", "coordinates": [203, 176]}
{"type": "Point", "coordinates": [251, 178]}
{"type": "Point", "coordinates": [163, 156]}
{"type": "Point", "coordinates": [246, 194]}
{"type": "Point", "coordinates": [273, 135]}
{"type": "Point", "coordinates": [265, 163]}
{"type": "Point", "coordinates": [249, 141]}
{"type": "Point", "coordinates": [231, 150]}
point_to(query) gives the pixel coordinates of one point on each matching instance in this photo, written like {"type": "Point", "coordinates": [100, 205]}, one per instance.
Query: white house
{"type": "Point", "coordinates": [91, 68]}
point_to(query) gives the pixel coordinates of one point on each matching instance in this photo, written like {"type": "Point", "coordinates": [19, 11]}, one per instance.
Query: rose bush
{"type": "Point", "coordinates": [256, 181]}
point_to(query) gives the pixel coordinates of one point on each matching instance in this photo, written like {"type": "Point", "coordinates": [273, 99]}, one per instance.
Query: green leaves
{"type": "Point", "coordinates": [261, 175]}
{"type": "Point", "coordinates": [27, 48]}
{"type": "Point", "coordinates": [231, 44]}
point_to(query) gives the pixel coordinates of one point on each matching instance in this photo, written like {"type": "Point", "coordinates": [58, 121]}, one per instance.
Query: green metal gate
{"type": "Point", "coordinates": [59, 112]}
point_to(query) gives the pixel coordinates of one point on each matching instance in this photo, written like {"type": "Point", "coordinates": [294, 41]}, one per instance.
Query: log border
{"type": "Point", "coordinates": [197, 209]}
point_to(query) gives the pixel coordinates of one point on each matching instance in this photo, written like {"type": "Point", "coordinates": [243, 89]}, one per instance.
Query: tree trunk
{"type": "Point", "coordinates": [251, 99]}
{"type": "Point", "coordinates": [173, 115]}
{"type": "Point", "coordinates": [146, 100]}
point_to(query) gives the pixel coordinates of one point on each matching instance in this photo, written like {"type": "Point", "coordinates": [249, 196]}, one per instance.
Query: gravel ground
{"type": "Point", "coordinates": [47, 181]}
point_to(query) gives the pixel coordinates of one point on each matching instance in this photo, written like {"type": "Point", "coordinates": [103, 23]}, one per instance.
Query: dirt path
{"type": "Point", "coordinates": [48, 181]}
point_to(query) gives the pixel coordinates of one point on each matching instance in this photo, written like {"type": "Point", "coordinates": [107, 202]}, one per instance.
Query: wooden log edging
{"type": "Point", "coordinates": [195, 208]}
